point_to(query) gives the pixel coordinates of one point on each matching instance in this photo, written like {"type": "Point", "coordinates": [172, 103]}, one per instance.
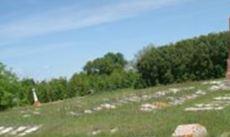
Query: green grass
{"type": "Point", "coordinates": [128, 119]}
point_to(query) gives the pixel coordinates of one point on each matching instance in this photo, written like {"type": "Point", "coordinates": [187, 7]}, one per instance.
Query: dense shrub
{"type": "Point", "coordinates": [9, 89]}
{"type": "Point", "coordinates": [83, 84]}
{"type": "Point", "coordinates": [193, 59]}
{"type": "Point", "coordinates": [52, 90]}
{"type": "Point", "coordinates": [106, 65]}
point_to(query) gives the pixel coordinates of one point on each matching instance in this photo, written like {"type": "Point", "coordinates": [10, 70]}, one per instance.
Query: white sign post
{"type": "Point", "coordinates": [35, 97]}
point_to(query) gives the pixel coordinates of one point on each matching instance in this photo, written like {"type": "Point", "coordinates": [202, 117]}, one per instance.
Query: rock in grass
{"type": "Point", "coordinates": [113, 130]}
{"type": "Point", "coordinates": [190, 130]}
{"type": "Point", "coordinates": [156, 105]}
{"type": "Point", "coordinates": [96, 132]}
{"type": "Point", "coordinates": [108, 106]}
{"type": "Point", "coordinates": [88, 111]}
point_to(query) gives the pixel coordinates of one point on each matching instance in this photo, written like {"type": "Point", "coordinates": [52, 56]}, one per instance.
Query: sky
{"type": "Point", "coordinates": [45, 39]}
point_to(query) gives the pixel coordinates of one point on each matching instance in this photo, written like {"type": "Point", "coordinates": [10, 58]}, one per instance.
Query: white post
{"type": "Point", "coordinates": [36, 101]}
{"type": "Point", "coordinates": [34, 95]}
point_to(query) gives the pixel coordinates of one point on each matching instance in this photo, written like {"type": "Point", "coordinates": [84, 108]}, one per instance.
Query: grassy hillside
{"type": "Point", "coordinates": [152, 112]}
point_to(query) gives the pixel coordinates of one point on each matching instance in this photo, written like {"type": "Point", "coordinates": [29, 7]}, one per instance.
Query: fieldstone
{"type": "Point", "coordinates": [113, 130]}
{"type": "Point", "coordinates": [222, 98]}
{"type": "Point", "coordinates": [190, 130]}
{"type": "Point", "coordinates": [174, 90]}
{"type": "Point", "coordinates": [98, 108]}
{"type": "Point", "coordinates": [147, 107]}
{"type": "Point", "coordinates": [96, 132]}
{"type": "Point", "coordinates": [88, 111]}
{"type": "Point", "coordinates": [108, 106]}
{"type": "Point", "coordinates": [29, 130]}
{"type": "Point", "coordinates": [156, 105]}
{"type": "Point", "coordinates": [18, 130]}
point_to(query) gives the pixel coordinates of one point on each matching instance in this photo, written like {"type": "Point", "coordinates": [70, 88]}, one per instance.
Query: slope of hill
{"type": "Point", "coordinates": [152, 112]}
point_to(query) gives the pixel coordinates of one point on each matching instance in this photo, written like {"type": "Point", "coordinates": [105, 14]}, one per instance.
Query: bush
{"type": "Point", "coordinates": [83, 84]}
{"type": "Point", "coordinates": [9, 89]}
{"type": "Point", "coordinates": [193, 59]}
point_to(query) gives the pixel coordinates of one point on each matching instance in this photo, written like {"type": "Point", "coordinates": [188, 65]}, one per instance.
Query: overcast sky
{"type": "Point", "coordinates": [43, 39]}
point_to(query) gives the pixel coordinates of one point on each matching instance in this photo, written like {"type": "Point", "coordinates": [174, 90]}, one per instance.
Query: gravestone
{"type": "Point", "coordinates": [36, 101]}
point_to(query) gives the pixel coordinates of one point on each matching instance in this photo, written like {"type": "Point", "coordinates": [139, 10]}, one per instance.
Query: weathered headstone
{"type": "Point", "coordinates": [36, 101]}
{"type": "Point", "coordinates": [190, 130]}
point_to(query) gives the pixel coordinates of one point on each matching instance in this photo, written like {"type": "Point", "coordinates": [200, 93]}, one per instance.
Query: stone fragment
{"type": "Point", "coordinates": [6, 130]}
{"type": "Point", "coordinates": [222, 98]}
{"type": "Point", "coordinates": [190, 130]}
{"type": "Point", "coordinates": [1, 128]}
{"type": "Point", "coordinates": [29, 130]}
{"type": "Point", "coordinates": [174, 90]}
{"type": "Point", "coordinates": [19, 129]}
{"type": "Point", "coordinates": [74, 113]}
{"type": "Point", "coordinates": [98, 108]}
{"type": "Point", "coordinates": [147, 107]}
{"type": "Point", "coordinates": [88, 111]}
{"type": "Point", "coordinates": [200, 92]}
{"type": "Point", "coordinates": [96, 132]}
{"type": "Point", "coordinates": [156, 105]}
{"type": "Point", "coordinates": [113, 130]}
{"type": "Point", "coordinates": [199, 109]}
{"type": "Point", "coordinates": [134, 99]}
{"type": "Point", "coordinates": [108, 106]}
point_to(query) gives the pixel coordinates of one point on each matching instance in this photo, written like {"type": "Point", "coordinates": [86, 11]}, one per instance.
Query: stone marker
{"type": "Point", "coordinates": [36, 101]}
{"type": "Point", "coordinates": [190, 130]}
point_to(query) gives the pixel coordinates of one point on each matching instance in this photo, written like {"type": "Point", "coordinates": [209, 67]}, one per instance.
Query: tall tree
{"type": "Point", "coordinates": [106, 64]}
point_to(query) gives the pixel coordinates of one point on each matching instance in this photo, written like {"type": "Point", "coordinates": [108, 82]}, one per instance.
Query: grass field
{"type": "Point", "coordinates": [118, 113]}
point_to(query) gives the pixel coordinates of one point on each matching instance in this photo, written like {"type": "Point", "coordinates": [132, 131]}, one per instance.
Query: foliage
{"type": "Point", "coordinates": [106, 65]}
{"type": "Point", "coordinates": [9, 89]}
{"type": "Point", "coordinates": [83, 84]}
{"type": "Point", "coordinates": [53, 90]}
{"type": "Point", "coordinates": [106, 73]}
{"type": "Point", "coordinates": [193, 59]}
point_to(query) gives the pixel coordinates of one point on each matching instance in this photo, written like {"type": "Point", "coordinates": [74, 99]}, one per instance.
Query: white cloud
{"type": "Point", "coordinates": [69, 18]}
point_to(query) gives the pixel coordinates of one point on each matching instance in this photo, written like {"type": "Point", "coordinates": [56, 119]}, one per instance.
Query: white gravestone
{"type": "Point", "coordinates": [35, 97]}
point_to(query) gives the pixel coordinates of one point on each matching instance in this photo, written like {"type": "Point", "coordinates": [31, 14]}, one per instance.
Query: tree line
{"type": "Point", "coordinates": [199, 58]}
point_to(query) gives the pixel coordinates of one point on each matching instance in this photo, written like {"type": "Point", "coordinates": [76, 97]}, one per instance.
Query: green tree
{"type": "Point", "coordinates": [106, 64]}
{"type": "Point", "coordinates": [198, 58]}
{"type": "Point", "coordinates": [9, 88]}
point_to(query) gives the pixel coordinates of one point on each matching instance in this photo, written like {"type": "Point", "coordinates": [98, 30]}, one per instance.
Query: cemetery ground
{"type": "Point", "coordinates": [152, 112]}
